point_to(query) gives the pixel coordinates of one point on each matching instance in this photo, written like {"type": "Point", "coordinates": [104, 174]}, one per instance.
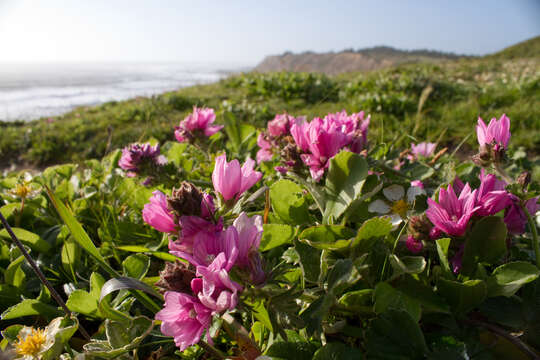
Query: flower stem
{"type": "Point", "coordinates": [40, 274]}
{"type": "Point", "coordinates": [535, 244]}
{"type": "Point", "coordinates": [502, 173]}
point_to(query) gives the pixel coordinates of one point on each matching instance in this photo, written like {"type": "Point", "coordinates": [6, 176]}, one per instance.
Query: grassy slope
{"type": "Point", "coordinates": [461, 91]}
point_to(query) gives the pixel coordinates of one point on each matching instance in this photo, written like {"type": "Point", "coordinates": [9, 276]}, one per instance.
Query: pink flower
{"type": "Point", "coordinates": [280, 125]}
{"type": "Point", "coordinates": [424, 149]}
{"type": "Point", "coordinates": [214, 287]}
{"type": "Point", "coordinates": [497, 133]}
{"type": "Point", "coordinates": [325, 139]}
{"type": "Point", "coordinates": [157, 215]}
{"type": "Point", "coordinates": [184, 318]}
{"type": "Point", "coordinates": [413, 245]}
{"type": "Point", "coordinates": [417, 183]}
{"type": "Point", "coordinates": [452, 214]}
{"type": "Point", "coordinates": [195, 230]}
{"type": "Point", "coordinates": [249, 236]}
{"type": "Point", "coordinates": [196, 123]}
{"type": "Point", "coordinates": [515, 218]}
{"type": "Point", "coordinates": [492, 196]}
{"type": "Point", "coordinates": [136, 156]}
{"type": "Point", "coordinates": [299, 129]}
{"type": "Point", "coordinates": [230, 180]}
{"type": "Point", "coordinates": [265, 152]}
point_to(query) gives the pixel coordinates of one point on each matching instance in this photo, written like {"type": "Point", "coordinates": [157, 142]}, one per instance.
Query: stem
{"type": "Point", "coordinates": [237, 331]}
{"type": "Point", "coordinates": [513, 339]}
{"type": "Point", "coordinates": [393, 249]}
{"type": "Point", "coordinates": [19, 214]}
{"type": "Point", "coordinates": [502, 173]}
{"type": "Point", "coordinates": [40, 274]}
{"type": "Point", "coordinates": [532, 225]}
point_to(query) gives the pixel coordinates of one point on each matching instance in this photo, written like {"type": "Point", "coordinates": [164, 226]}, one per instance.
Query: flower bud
{"type": "Point", "coordinates": [484, 156]}
{"type": "Point", "coordinates": [419, 227]}
{"type": "Point", "coordinates": [176, 276]}
{"type": "Point", "coordinates": [291, 156]}
{"type": "Point", "coordinates": [186, 200]}
{"type": "Point", "coordinates": [524, 179]}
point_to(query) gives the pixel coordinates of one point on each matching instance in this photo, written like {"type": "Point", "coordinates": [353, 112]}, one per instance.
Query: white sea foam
{"type": "Point", "coordinates": [30, 91]}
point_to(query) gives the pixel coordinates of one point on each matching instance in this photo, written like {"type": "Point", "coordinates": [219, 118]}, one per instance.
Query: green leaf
{"type": "Point", "coordinates": [442, 250]}
{"type": "Point", "coordinates": [462, 297]}
{"type": "Point", "coordinates": [327, 237]}
{"type": "Point", "coordinates": [337, 351]}
{"type": "Point", "coordinates": [175, 152]}
{"type": "Point", "coordinates": [275, 235]}
{"type": "Point", "coordinates": [30, 307]}
{"type": "Point", "coordinates": [310, 261]}
{"type": "Point", "coordinates": [344, 183]}
{"type": "Point", "coordinates": [487, 243]}
{"type": "Point", "coordinates": [424, 294]}
{"type": "Point", "coordinates": [14, 274]}
{"type": "Point", "coordinates": [395, 335]}
{"type": "Point", "coordinates": [386, 297]}
{"type": "Point", "coordinates": [316, 313]}
{"type": "Point", "coordinates": [369, 232]}
{"type": "Point", "coordinates": [507, 279]}
{"type": "Point", "coordinates": [292, 350]}
{"type": "Point", "coordinates": [136, 266]}
{"type": "Point", "coordinates": [9, 295]}
{"type": "Point", "coordinates": [78, 233]}
{"type": "Point", "coordinates": [70, 255]}
{"type": "Point", "coordinates": [341, 276]}
{"type": "Point", "coordinates": [289, 202]}
{"type": "Point", "coordinates": [82, 302]}
{"type": "Point", "coordinates": [133, 248]}
{"type": "Point", "coordinates": [358, 300]}
{"type": "Point", "coordinates": [34, 241]}
{"type": "Point", "coordinates": [121, 283]}
{"type": "Point", "coordinates": [62, 329]}
{"type": "Point", "coordinates": [407, 264]}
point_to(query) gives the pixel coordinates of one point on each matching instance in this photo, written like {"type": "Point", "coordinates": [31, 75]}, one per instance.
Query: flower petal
{"type": "Point", "coordinates": [379, 206]}
{"type": "Point", "coordinates": [394, 192]}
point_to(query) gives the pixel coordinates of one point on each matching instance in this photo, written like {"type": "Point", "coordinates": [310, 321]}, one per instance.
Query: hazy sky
{"type": "Point", "coordinates": [245, 31]}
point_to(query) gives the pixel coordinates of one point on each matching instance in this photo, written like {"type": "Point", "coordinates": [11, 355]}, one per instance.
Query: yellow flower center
{"type": "Point", "coordinates": [400, 207]}
{"type": "Point", "coordinates": [31, 345]}
{"type": "Point", "coordinates": [21, 191]}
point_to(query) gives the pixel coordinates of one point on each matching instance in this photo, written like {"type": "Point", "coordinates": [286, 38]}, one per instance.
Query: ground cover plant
{"type": "Point", "coordinates": [302, 239]}
{"type": "Point", "coordinates": [432, 102]}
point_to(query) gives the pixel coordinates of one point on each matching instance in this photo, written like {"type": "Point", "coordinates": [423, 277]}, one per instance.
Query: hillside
{"type": "Point", "coordinates": [525, 49]}
{"type": "Point", "coordinates": [349, 60]}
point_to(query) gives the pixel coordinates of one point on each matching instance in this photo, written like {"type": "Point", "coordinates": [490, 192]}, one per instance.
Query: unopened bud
{"type": "Point", "coordinates": [524, 179]}
{"type": "Point", "coordinates": [483, 158]}
{"type": "Point", "coordinates": [176, 276]}
{"type": "Point", "coordinates": [419, 227]}
{"type": "Point", "coordinates": [291, 155]}
{"type": "Point", "coordinates": [185, 200]}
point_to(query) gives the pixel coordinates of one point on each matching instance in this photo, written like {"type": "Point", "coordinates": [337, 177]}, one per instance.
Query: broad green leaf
{"type": "Point", "coordinates": [358, 300]}
{"type": "Point", "coordinates": [327, 237]}
{"type": "Point", "coordinates": [341, 276]}
{"type": "Point", "coordinates": [344, 183]}
{"type": "Point", "coordinates": [395, 335]}
{"type": "Point", "coordinates": [369, 232]}
{"type": "Point", "coordinates": [62, 329]}
{"type": "Point", "coordinates": [136, 266]}
{"type": "Point", "coordinates": [275, 235]}
{"type": "Point", "coordinates": [14, 274]}
{"type": "Point", "coordinates": [310, 260]}
{"type": "Point", "coordinates": [82, 302]}
{"type": "Point", "coordinates": [289, 202]}
{"type": "Point", "coordinates": [507, 279]}
{"type": "Point", "coordinates": [386, 297]}
{"type": "Point", "coordinates": [175, 152]}
{"type": "Point", "coordinates": [316, 313]}
{"type": "Point", "coordinates": [487, 243]}
{"type": "Point", "coordinates": [8, 209]}
{"type": "Point", "coordinates": [442, 250]}
{"type": "Point", "coordinates": [9, 295]}
{"type": "Point", "coordinates": [462, 297]}
{"type": "Point", "coordinates": [407, 264]}
{"type": "Point", "coordinates": [292, 350]}
{"type": "Point", "coordinates": [34, 241]}
{"type": "Point", "coordinates": [424, 294]}
{"type": "Point", "coordinates": [337, 351]}
{"type": "Point", "coordinates": [30, 307]}
{"type": "Point", "coordinates": [70, 255]}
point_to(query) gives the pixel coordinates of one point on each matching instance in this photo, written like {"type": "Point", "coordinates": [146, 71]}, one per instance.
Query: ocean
{"type": "Point", "coordinates": [31, 91]}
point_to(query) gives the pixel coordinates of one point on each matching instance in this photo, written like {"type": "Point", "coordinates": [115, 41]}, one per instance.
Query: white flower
{"type": "Point", "coordinates": [397, 207]}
